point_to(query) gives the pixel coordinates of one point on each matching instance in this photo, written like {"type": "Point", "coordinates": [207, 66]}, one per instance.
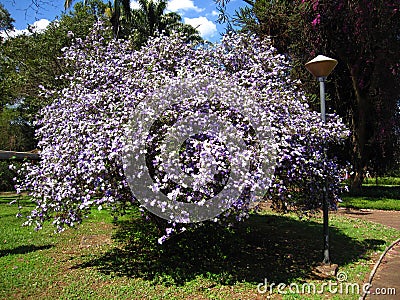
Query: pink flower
{"type": "Point", "coordinates": [316, 21]}
{"type": "Point", "coordinates": [315, 5]}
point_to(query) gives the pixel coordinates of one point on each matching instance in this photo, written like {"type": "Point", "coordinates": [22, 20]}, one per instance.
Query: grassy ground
{"type": "Point", "coordinates": [382, 181]}
{"type": "Point", "coordinates": [374, 197]}
{"type": "Point", "coordinates": [102, 260]}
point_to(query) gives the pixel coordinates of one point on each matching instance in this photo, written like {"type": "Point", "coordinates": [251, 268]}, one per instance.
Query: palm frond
{"type": "Point", "coordinates": [67, 4]}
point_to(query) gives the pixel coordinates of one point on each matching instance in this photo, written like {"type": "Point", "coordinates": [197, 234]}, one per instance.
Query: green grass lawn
{"type": "Point", "coordinates": [374, 197]}
{"type": "Point", "coordinates": [382, 181]}
{"type": "Point", "coordinates": [102, 260]}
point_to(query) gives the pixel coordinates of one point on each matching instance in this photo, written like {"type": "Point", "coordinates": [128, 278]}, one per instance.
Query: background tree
{"type": "Point", "coordinates": [151, 19]}
{"type": "Point", "coordinates": [32, 60]}
{"type": "Point", "coordinates": [363, 36]}
{"type": "Point", "coordinates": [139, 24]}
{"type": "Point", "coordinates": [6, 22]}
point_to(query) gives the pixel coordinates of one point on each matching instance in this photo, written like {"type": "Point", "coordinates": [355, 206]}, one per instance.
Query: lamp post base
{"type": "Point", "coordinates": [326, 271]}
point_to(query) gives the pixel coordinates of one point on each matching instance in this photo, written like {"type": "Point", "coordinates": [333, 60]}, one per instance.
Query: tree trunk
{"type": "Point", "coordinates": [359, 131]}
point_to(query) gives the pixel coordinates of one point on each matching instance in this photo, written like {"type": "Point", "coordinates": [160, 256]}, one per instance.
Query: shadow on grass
{"type": "Point", "coordinates": [274, 247]}
{"type": "Point", "coordinates": [24, 249]}
{"type": "Point", "coordinates": [378, 192]}
{"type": "Point", "coordinates": [6, 199]}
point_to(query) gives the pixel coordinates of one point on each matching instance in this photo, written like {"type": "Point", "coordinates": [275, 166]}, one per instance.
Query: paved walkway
{"type": "Point", "coordinates": [386, 282]}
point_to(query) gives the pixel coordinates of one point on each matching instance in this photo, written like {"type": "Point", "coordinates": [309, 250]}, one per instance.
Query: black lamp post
{"type": "Point", "coordinates": [321, 67]}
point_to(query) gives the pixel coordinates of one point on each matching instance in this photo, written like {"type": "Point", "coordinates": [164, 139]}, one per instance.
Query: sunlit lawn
{"type": "Point", "coordinates": [374, 197]}
{"type": "Point", "coordinates": [209, 263]}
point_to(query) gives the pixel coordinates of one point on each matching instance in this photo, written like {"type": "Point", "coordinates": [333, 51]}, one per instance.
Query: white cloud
{"type": "Point", "coordinates": [214, 13]}
{"type": "Point", "coordinates": [174, 5]}
{"type": "Point", "coordinates": [40, 25]}
{"type": "Point", "coordinates": [206, 27]}
{"type": "Point", "coordinates": [37, 26]}
{"type": "Point", "coordinates": [135, 5]}
{"type": "Point", "coordinates": [11, 33]}
{"type": "Point", "coordinates": [182, 5]}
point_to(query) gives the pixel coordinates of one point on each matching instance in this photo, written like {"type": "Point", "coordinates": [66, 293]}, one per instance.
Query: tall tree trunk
{"type": "Point", "coordinates": [359, 131]}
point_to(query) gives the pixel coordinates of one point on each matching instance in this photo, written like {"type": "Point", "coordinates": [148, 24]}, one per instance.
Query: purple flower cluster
{"type": "Point", "coordinates": [83, 132]}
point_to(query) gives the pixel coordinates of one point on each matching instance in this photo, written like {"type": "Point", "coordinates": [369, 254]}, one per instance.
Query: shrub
{"type": "Point", "coordinates": [110, 112]}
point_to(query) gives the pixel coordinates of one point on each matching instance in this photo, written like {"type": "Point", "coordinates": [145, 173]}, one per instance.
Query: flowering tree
{"type": "Point", "coordinates": [89, 134]}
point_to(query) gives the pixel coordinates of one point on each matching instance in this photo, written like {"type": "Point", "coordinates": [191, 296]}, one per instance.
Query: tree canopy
{"type": "Point", "coordinates": [149, 19]}
{"type": "Point", "coordinates": [6, 22]}
{"type": "Point", "coordinates": [92, 124]}
{"type": "Point", "coordinates": [364, 89]}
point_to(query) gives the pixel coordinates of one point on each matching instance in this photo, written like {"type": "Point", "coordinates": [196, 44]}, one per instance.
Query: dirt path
{"type": "Point", "coordinates": [386, 282]}
{"type": "Point", "coordinates": [385, 217]}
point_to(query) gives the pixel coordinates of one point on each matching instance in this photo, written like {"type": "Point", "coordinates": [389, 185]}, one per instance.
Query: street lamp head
{"type": "Point", "coordinates": [321, 66]}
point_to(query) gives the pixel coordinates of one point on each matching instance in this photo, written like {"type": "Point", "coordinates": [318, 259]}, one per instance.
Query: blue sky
{"type": "Point", "coordinates": [200, 14]}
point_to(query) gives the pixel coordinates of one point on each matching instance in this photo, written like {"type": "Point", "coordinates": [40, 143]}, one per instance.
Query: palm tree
{"type": "Point", "coordinates": [124, 3]}
{"type": "Point", "coordinates": [120, 10]}
{"type": "Point", "coordinates": [150, 19]}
